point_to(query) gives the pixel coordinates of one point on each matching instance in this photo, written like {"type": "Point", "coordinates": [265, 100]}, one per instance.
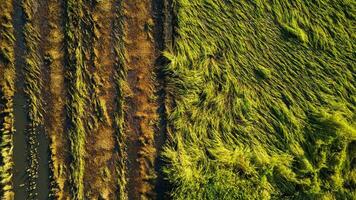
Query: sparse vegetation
{"type": "Point", "coordinates": [101, 139]}
{"type": "Point", "coordinates": [56, 113]}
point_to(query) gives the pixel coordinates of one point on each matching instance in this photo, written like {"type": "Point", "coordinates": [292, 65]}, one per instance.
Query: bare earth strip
{"type": "Point", "coordinates": [100, 172]}
{"type": "Point", "coordinates": [56, 114]}
{"type": "Point", "coordinates": [141, 107]}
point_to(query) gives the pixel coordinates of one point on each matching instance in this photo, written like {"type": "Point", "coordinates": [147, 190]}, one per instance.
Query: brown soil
{"type": "Point", "coordinates": [100, 178]}
{"type": "Point", "coordinates": [56, 113]}
{"type": "Point", "coordinates": [140, 103]}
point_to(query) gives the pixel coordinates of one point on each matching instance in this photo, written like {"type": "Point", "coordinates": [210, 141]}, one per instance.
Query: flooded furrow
{"type": "Point", "coordinates": [31, 145]}
{"type": "Point", "coordinates": [43, 181]}
{"type": "Point", "coordinates": [20, 154]}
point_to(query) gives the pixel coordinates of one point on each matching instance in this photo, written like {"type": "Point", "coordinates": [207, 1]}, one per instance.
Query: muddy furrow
{"type": "Point", "coordinates": [100, 169]}
{"type": "Point", "coordinates": [54, 61]}
{"type": "Point", "coordinates": [162, 35]}
{"type": "Point", "coordinates": [141, 106]}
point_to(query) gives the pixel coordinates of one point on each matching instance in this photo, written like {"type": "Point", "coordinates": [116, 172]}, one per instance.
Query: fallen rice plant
{"type": "Point", "coordinates": [120, 75]}
{"type": "Point", "coordinates": [77, 92]}
{"type": "Point", "coordinates": [263, 100]}
{"type": "Point", "coordinates": [7, 89]}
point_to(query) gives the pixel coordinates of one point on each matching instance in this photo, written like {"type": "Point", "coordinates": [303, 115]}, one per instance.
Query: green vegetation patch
{"type": "Point", "coordinates": [7, 90]}
{"type": "Point", "coordinates": [77, 75]}
{"type": "Point", "coordinates": [264, 100]}
{"type": "Point", "coordinates": [119, 116]}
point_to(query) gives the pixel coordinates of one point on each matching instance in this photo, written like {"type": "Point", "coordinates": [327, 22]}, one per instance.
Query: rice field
{"type": "Point", "coordinates": [178, 99]}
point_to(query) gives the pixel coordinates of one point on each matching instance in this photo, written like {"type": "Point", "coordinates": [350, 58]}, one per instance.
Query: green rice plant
{"type": "Point", "coordinates": [262, 100]}
{"type": "Point", "coordinates": [77, 76]}
{"type": "Point", "coordinates": [120, 76]}
{"type": "Point", "coordinates": [85, 109]}
{"type": "Point", "coordinates": [7, 89]}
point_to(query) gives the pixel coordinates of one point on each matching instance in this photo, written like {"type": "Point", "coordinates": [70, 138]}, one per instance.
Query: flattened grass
{"type": "Point", "coordinates": [263, 100]}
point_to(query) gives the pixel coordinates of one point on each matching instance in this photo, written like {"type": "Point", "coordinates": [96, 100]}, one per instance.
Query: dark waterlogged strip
{"type": "Point", "coordinates": [34, 13]}
{"type": "Point", "coordinates": [43, 181]}
{"type": "Point", "coordinates": [20, 179]}
{"type": "Point", "coordinates": [162, 36]}
{"type": "Point", "coordinates": [31, 144]}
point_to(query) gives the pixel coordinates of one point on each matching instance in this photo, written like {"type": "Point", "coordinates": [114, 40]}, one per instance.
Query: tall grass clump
{"type": "Point", "coordinates": [263, 100]}
{"type": "Point", "coordinates": [7, 90]}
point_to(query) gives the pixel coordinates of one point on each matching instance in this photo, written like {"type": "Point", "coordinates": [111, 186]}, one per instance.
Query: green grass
{"type": "Point", "coordinates": [7, 89]}
{"type": "Point", "coordinates": [263, 100]}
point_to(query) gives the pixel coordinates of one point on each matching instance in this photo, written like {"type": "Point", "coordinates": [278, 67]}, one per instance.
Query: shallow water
{"type": "Point", "coordinates": [20, 152]}
{"type": "Point", "coordinates": [20, 145]}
